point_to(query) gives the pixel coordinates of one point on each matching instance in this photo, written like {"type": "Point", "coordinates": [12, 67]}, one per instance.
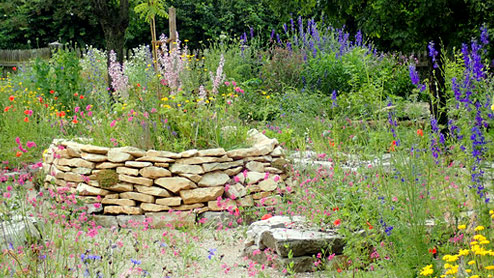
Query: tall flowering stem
{"type": "Point", "coordinates": [120, 81]}
{"type": "Point", "coordinates": [219, 77]}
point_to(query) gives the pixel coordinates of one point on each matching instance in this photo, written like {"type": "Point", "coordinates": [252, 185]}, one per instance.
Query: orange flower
{"type": "Point", "coordinates": [266, 216]}
{"type": "Point", "coordinates": [26, 119]}
{"type": "Point", "coordinates": [18, 154]}
{"type": "Point", "coordinates": [337, 222]}
{"type": "Point", "coordinates": [75, 121]}
{"type": "Point", "coordinates": [370, 225]}
{"type": "Point", "coordinates": [420, 132]}
{"type": "Point", "coordinates": [6, 109]}
{"type": "Point", "coordinates": [11, 98]}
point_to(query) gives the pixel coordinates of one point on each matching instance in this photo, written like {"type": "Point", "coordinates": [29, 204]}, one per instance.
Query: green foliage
{"type": "Point", "coordinates": [149, 9]}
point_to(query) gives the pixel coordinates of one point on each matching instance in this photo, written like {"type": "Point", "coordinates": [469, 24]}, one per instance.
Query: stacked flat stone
{"type": "Point", "coordinates": [154, 181]}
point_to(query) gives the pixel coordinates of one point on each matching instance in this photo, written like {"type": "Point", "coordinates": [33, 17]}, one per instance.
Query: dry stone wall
{"type": "Point", "coordinates": [142, 182]}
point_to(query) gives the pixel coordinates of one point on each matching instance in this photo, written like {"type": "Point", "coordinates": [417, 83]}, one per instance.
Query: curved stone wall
{"type": "Point", "coordinates": [152, 181]}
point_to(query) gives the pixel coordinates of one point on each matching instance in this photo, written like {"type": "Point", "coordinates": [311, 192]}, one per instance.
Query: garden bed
{"type": "Point", "coordinates": [132, 181]}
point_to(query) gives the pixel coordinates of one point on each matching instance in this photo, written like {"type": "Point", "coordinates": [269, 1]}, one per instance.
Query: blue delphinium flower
{"type": "Point", "coordinates": [135, 262]}
{"type": "Point", "coordinates": [211, 253]}
{"type": "Point", "coordinates": [433, 54]}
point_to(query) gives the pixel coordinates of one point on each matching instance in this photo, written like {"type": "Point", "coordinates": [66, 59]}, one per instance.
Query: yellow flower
{"type": "Point", "coordinates": [164, 99]}
{"type": "Point", "coordinates": [479, 228]}
{"type": "Point", "coordinates": [491, 211]}
{"type": "Point", "coordinates": [471, 262]}
{"type": "Point", "coordinates": [452, 270]}
{"type": "Point", "coordinates": [474, 276]}
{"type": "Point", "coordinates": [479, 237]}
{"type": "Point", "coordinates": [489, 267]}
{"type": "Point", "coordinates": [484, 242]}
{"type": "Point", "coordinates": [492, 107]}
{"type": "Point", "coordinates": [462, 227]}
{"type": "Point", "coordinates": [186, 40]}
{"type": "Point", "coordinates": [450, 258]}
{"type": "Point", "coordinates": [463, 252]}
{"type": "Point", "coordinates": [468, 270]}
{"type": "Point", "coordinates": [427, 270]}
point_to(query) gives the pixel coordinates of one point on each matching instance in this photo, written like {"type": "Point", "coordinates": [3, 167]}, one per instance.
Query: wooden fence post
{"type": "Point", "coordinates": [172, 20]}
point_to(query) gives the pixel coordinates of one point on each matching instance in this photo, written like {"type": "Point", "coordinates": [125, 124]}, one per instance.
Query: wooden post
{"type": "Point", "coordinates": [172, 20]}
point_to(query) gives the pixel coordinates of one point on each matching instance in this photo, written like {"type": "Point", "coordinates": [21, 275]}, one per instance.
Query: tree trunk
{"type": "Point", "coordinates": [114, 21]}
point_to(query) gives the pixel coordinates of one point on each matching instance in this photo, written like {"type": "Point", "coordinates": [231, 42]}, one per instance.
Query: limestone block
{"type": "Point", "coordinates": [200, 195]}
{"type": "Point", "coordinates": [214, 179]}
{"type": "Point", "coordinates": [137, 164]}
{"type": "Point", "coordinates": [137, 196]}
{"type": "Point", "coordinates": [127, 171]}
{"type": "Point", "coordinates": [136, 180]}
{"type": "Point", "coordinates": [175, 184]}
{"type": "Point", "coordinates": [153, 172]}
{"type": "Point", "coordinates": [212, 152]}
{"type": "Point", "coordinates": [153, 190]}
{"type": "Point", "coordinates": [122, 210]}
{"type": "Point", "coordinates": [93, 157]}
{"type": "Point", "coordinates": [171, 201]}
{"type": "Point", "coordinates": [116, 155]}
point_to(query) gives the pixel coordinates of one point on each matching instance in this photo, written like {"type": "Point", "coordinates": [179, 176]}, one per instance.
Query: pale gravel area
{"type": "Point", "coordinates": [228, 255]}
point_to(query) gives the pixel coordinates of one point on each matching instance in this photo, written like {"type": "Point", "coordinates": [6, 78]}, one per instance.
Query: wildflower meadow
{"type": "Point", "coordinates": [391, 151]}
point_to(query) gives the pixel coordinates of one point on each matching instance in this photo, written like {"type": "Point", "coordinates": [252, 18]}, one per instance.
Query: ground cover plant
{"type": "Point", "coordinates": [411, 197]}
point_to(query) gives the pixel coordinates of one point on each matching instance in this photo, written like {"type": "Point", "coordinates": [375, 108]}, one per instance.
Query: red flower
{"type": "Point", "coordinates": [81, 97]}
{"type": "Point", "coordinates": [420, 132]}
{"type": "Point", "coordinates": [266, 216]}
{"type": "Point", "coordinates": [76, 94]}
{"type": "Point", "coordinates": [337, 222]}
{"type": "Point", "coordinates": [433, 250]}
{"type": "Point", "coordinates": [393, 145]}
{"type": "Point", "coordinates": [26, 119]}
{"type": "Point", "coordinates": [18, 154]}
{"type": "Point", "coordinates": [52, 92]}
{"type": "Point", "coordinates": [11, 98]}
{"type": "Point", "coordinates": [14, 68]}
{"type": "Point", "coordinates": [336, 209]}
{"type": "Point", "coordinates": [370, 225]}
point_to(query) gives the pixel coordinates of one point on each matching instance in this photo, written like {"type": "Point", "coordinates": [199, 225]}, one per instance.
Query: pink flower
{"type": "Point", "coordinates": [30, 144]}
{"type": "Point", "coordinates": [112, 124]}
{"type": "Point", "coordinates": [9, 188]}
{"type": "Point", "coordinates": [153, 110]}
{"type": "Point", "coordinates": [266, 176]}
{"type": "Point", "coordinates": [22, 149]}
{"type": "Point", "coordinates": [276, 178]}
{"type": "Point", "coordinates": [90, 113]}
{"type": "Point", "coordinates": [77, 109]}
{"type": "Point", "coordinates": [97, 205]}
{"type": "Point", "coordinates": [88, 107]}
{"type": "Point", "coordinates": [234, 83]}
{"type": "Point", "coordinates": [236, 179]}
{"type": "Point", "coordinates": [227, 83]}
{"type": "Point", "coordinates": [6, 195]}
{"type": "Point", "coordinates": [18, 140]}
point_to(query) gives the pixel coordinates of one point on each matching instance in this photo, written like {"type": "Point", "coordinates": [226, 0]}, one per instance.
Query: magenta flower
{"type": "Point", "coordinates": [112, 124]}
{"type": "Point", "coordinates": [30, 144]}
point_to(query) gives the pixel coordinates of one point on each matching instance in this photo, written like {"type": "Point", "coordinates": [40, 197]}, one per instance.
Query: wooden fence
{"type": "Point", "coordinates": [14, 57]}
